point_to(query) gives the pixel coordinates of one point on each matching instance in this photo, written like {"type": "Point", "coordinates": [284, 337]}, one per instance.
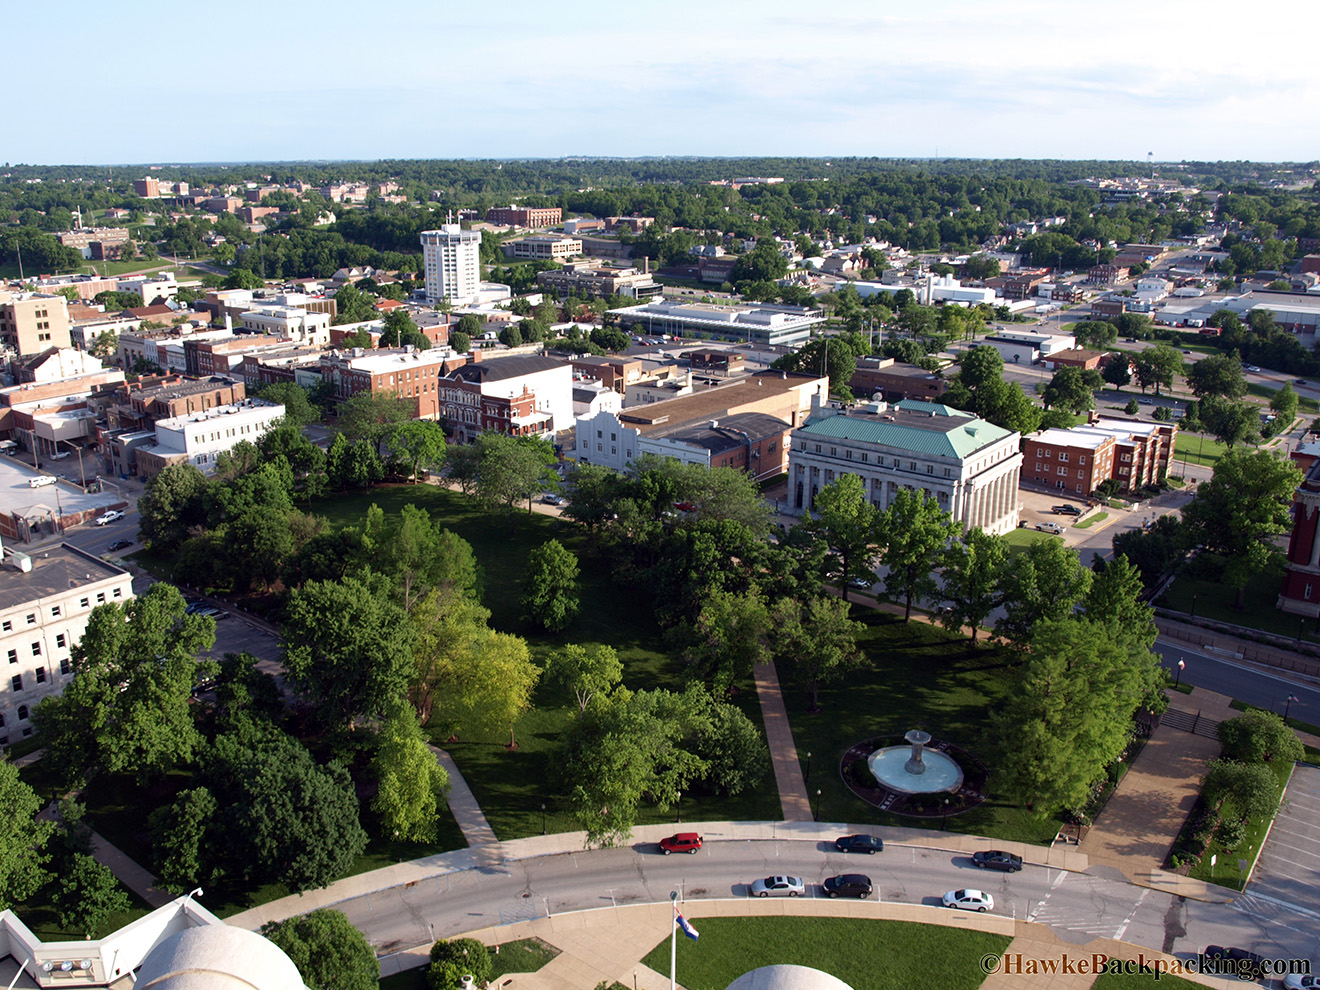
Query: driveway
{"type": "Point", "coordinates": [1289, 865]}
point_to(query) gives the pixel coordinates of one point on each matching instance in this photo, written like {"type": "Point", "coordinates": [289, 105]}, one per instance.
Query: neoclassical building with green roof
{"type": "Point", "coordinates": [969, 466]}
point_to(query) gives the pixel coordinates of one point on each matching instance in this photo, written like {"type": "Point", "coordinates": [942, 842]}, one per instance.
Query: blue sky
{"type": "Point", "coordinates": [297, 80]}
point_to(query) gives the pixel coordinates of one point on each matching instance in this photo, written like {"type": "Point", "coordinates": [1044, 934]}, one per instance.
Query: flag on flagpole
{"type": "Point", "coordinates": [1294, 698]}
{"type": "Point", "coordinates": [688, 930]}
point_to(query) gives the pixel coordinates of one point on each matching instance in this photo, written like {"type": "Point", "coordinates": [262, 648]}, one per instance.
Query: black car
{"type": "Point", "coordinates": [995, 859]}
{"type": "Point", "coordinates": [1065, 510]}
{"type": "Point", "coordinates": [869, 844]}
{"type": "Point", "coordinates": [1236, 961]}
{"type": "Point", "coordinates": [120, 545]}
{"type": "Point", "coordinates": [848, 885]}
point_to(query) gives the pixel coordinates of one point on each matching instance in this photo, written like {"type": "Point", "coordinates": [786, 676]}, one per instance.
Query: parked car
{"type": "Point", "coordinates": [41, 480]}
{"type": "Point", "coordinates": [870, 844]}
{"type": "Point", "coordinates": [1300, 981]}
{"type": "Point", "coordinates": [1250, 367]}
{"type": "Point", "coordinates": [848, 885]}
{"type": "Point", "coordinates": [994, 859]}
{"type": "Point", "coordinates": [549, 498]}
{"type": "Point", "coordinates": [1049, 526]}
{"type": "Point", "coordinates": [778, 887]}
{"type": "Point", "coordinates": [1240, 960]}
{"type": "Point", "coordinates": [683, 842]}
{"type": "Point", "coordinates": [969, 900]}
{"type": "Point", "coordinates": [1300, 381]}
{"type": "Point", "coordinates": [861, 584]}
{"type": "Point", "coordinates": [1065, 510]}
{"type": "Point", "coordinates": [105, 518]}
{"type": "Point", "coordinates": [120, 545]}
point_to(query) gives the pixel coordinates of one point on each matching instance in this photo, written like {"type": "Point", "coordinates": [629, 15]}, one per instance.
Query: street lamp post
{"type": "Point", "coordinates": [1288, 704]}
{"type": "Point", "coordinates": [815, 817]}
{"type": "Point", "coordinates": [1301, 628]}
{"type": "Point", "coordinates": [543, 818]}
{"type": "Point", "coordinates": [1194, 605]}
{"type": "Point", "coordinates": [808, 780]}
{"type": "Point", "coordinates": [1181, 665]}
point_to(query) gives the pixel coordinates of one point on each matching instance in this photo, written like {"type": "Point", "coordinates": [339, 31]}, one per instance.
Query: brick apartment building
{"type": "Point", "coordinates": [30, 324]}
{"type": "Point", "coordinates": [96, 243]}
{"type": "Point", "coordinates": [1080, 459]}
{"type": "Point", "coordinates": [133, 408]}
{"type": "Point", "coordinates": [407, 373]}
{"type": "Point", "coordinates": [518, 216]}
{"type": "Point", "coordinates": [1300, 593]}
{"type": "Point", "coordinates": [148, 188]}
{"type": "Point", "coordinates": [1023, 286]}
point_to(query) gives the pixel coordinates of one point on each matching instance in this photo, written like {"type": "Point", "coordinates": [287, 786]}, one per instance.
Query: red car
{"type": "Point", "coordinates": [683, 842]}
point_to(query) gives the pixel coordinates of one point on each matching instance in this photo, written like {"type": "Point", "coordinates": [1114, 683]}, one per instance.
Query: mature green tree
{"type": "Point", "coordinates": [412, 553]}
{"type": "Point", "coordinates": [180, 835]}
{"type": "Point", "coordinates": [353, 306]}
{"type": "Point", "coordinates": [471, 325]}
{"type": "Point", "coordinates": [1073, 389]}
{"type": "Point", "coordinates": [372, 415]}
{"type": "Point", "coordinates": [419, 443]}
{"type": "Point", "coordinates": [550, 587]}
{"type": "Point", "coordinates": [347, 646]}
{"type": "Point", "coordinates": [1240, 511]}
{"type": "Point", "coordinates": [1284, 404]}
{"type": "Point", "coordinates": [816, 641]}
{"type": "Point", "coordinates": [1115, 595]}
{"type": "Point", "coordinates": [329, 952]}
{"type": "Point", "coordinates": [1229, 421]}
{"type": "Point", "coordinates": [824, 356]}
{"type": "Point", "coordinates": [726, 639]}
{"type": "Point", "coordinates": [284, 818]}
{"type": "Point", "coordinates": [460, 342]}
{"type": "Point", "coordinates": [298, 408]}
{"type": "Point", "coordinates": [1249, 789]}
{"type": "Point", "coordinates": [509, 469]}
{"type": "Point", "coordinates": [731, 745]}
{"type": "Point", "coordinates": [971, 574]}
{"type": "Point", "coordinates": [450, 625]}
{"type": "Point", "coordinates": [1155, 367]}
{"type": "Point", "coordinates": [511, 336]}
{"type": "Point", "coordinates": [411, 784]}
{"type": "Point", "coordinates": [846, 521]}
{"type": "Point", "coordinates": [455, 958]}
{"type": "Point", "coordinates": [595, 492]}
{"type": "Point", "coordinates": [1258, 736]}
{"type": "Point", "coordinates": [1069, 715]}
{"type": "Point", "coordinates": [1098, 335]}
{"type": "Point", "coordinates": [398, 325]}
{"type": "Point", "coordinates": [88, 895]}
{"type": "Point", "coordinates": [127, 708]}
{"type": "Point", "coordinates": [1155, 551]}
{"type": "Point", "coordinates": [1117, 371]}
{"type": "Point", "coordinates": [588, 673]}
{"type": "Point", "coordinates": [23, 839]}
{"type": "Point", "coordinates": [171, 504]}
{"type": "Point", "coordinates": [486, 685]}
{"type": "Point", "coordinates": [1218, 375]}
{"type": "Point", "coordinates": [763, 263]}
{"type": "Point", "coordinates": [1043, 582]}
{"type": "Point", "coordinates": [913, 534]}
{"type": "Point", "coordinates": [243, 278]}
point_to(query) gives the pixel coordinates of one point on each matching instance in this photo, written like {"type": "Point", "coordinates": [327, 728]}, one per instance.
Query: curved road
{"type": "Point", "coordinates": [1079, 907]}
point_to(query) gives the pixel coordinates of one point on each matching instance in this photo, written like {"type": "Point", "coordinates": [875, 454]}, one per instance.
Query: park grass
{"type": "Point", "coordinates": [1022, 537]}
{"type": "Point", "coordinates": [1196, 448]}
{"type": "Point", "coordinates": [1215, 600]}
{"type": "Point", "coordinates": [41, 916]}
{"type": "Point", "coordinates": [916, 676]}
{"type": "Point", "coordinates": [865, 954]}
{"type": "Point", "coordinates": [512, 785]}
{"type": "Point", "coordinates": [1144, 980]}
{"type": "Point", "coordinates": [1087, 522]}
{"type": "Point", "coordinates": [1233, 866]}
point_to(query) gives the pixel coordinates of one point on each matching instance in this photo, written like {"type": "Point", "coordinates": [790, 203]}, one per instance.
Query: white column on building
{"type": "Point", "coordinates": [1000, 500]}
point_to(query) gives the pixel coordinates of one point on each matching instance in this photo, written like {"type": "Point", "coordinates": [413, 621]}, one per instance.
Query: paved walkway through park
{"type": "Point", "coordinates": [467, 812]}
{"type": "Point", "coordinates": [793, 797]}
{"type": "Point", "coordinates": [132, 875]}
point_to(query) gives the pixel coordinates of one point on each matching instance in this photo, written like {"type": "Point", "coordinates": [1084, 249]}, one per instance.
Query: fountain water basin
{"type": "Point", "coordinates": [913, 769]}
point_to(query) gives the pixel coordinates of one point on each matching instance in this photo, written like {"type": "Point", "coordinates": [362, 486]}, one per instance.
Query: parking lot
{"type": "Point", "coordinates": [1289, 865]}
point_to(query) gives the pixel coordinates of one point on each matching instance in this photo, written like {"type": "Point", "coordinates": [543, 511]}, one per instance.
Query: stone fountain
{"type": "Point", "coordinates": [913, 769]}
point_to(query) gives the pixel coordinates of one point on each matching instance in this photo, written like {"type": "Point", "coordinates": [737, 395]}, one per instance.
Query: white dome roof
{"type": "Point", "coordinates": [787, 978]}
{"type": "Point", "coordinates": [217, 957]}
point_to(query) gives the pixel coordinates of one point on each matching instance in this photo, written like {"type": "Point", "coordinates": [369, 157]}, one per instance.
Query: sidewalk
{"type": "Point", "coordinates": [793, 797]}
{"type": "Point", "coordinates": [467, 812]}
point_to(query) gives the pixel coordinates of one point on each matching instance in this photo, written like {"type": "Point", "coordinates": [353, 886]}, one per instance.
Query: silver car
{"type": "Point", "coordinates": [778, 887]}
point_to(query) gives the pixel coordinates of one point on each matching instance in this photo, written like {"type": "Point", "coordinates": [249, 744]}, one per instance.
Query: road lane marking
{"type": "Point", "coordinates": [1118, 934]}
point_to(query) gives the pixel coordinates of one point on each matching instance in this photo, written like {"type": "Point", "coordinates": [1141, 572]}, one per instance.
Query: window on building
{"type": "Point", "coordinates": [65, 667]}
{"type": "Point", "coordinates": [55, 611]}
{"type": "Point", "coordinates": [41, 675]}
{"type": "Point", "coordinates": [1062, 469]}
{"type": "Point", "coordinates": [930, 468]}
{"type": "Point", "coordinates": [1049, 454]}
{"type": "Point", "coordinates": [1081, 459]}
{"type": "Point", "coordinates": [1307, 596]}
{"type": "Point", "coordinates": [818, 448]}
{"type": "Point", "coordinates": [23, 713]}
{"type": "Point", "coordinates": [7, 625]}
{"type": "Point", "coordinates": [119, 593]}
{"type": "Point", "coordinates": [36, 649]}
{"type": "Point", "coordinates": [85, 603]}
{"type": "Point", "coordinates": [13, 656]}
{"type": "Point", "coordinates": [16, 682]}
{"type": "Point", "coordinates": [1063, 456]}
{"type": "Point", "coordinates": [32, 618]}
{"type": "Point", "coordinates": [847, 454]}
{"type": "Point", "coordinates": [100, 597]}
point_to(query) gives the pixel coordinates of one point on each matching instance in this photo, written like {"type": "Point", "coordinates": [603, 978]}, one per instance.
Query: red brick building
{"type": "Point", "coordinates": [516, 216]}
{"type": "Point", "coordinates": [1080, 459]}
{"type": "Point", "coordinates": [1300, 593]}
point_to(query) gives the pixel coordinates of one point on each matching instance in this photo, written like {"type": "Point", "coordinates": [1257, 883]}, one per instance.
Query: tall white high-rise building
{"type": "Point", "coordinates": [453, 263]}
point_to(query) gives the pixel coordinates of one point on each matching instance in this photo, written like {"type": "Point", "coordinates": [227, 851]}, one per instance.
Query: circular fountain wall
{"type": "Point", "coordinates": [889, 766]}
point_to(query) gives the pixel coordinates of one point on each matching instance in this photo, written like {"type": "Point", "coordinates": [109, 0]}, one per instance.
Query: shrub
{"type": "Point", "coordinates": [453, 959]}
{"type": "Point", "coordinates": [1231, 832]}
{"type": "Point", "coordinates": [1258, 736]}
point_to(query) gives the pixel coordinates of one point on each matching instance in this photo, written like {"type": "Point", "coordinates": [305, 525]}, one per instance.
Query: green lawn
{"type": "Point", "coordinates": [1145, 980]}
{"type": "Point", "coordinates": [1090, 520]}
{"type": "Point", "coordinates": [1023, 537]}
{"type": "Point", "coordinates": [918, 676]}
{"type": "Point", "coordinates": [511, 785]}
{"type": "Point", "coordinates": [1233, 865]}
{"type": "Point", "coordinates": [1214, 600]}
{"type": "Point", "coordinates": [41, 916]}
{"type": "Point", "coordinates": [1194, 448]}
{"type": "Point", "coordinates": [865, 954]}
{"type": "Point", "coordinates": [524, 956]}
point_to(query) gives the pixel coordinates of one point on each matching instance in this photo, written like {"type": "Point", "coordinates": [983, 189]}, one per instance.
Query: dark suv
{"type": "Point", "coordinates": [994, 859]}
{"type": "Point", "coordinates": [1065, 510]}
{"type": "Point", "coordinates": [848, 885]}
{"type": "Point", "coordinates": [869, 844]}
{"type": "Point", "coordinates": [683, 842]}
{"type": "Point", "coordinates": [1236, 962]}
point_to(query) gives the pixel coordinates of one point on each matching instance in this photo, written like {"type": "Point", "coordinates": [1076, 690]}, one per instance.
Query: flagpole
{"type": "Point", "coordinates": [673, 936]}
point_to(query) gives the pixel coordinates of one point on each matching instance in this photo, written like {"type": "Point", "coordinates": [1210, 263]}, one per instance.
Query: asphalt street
{"type": "Point", "coordinates": [1079, 907]}
{"type": "Point", "coordinates": [1252, 684]}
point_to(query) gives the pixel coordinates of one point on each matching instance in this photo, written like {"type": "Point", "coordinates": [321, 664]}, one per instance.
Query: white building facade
{"type": "Point", "coordinates": [452, 262]}
{"type": "Point", "coordinates": [200, 437]}
{"type": "Point", "coordinates": [970, 467]}
{"type": "Point", "coordinates": [45, 599]}
{"type": "Point", "coordinates": [291, 323]}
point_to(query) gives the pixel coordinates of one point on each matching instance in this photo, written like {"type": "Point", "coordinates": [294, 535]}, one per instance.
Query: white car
{"type": "Point", "coordinates": [108, 517]}
{"type": "Point", "coordinates": [1296, 981]}
{"type": "Point", "coordinates": [778, 887]}
{"type": "Point", "coordinates": [969, 900]}
{"type": "Point", "coordinates": [41, 480]}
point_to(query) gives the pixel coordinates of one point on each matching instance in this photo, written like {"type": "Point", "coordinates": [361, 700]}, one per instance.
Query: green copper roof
{"type": "Point", "coordinates": [949, 433]}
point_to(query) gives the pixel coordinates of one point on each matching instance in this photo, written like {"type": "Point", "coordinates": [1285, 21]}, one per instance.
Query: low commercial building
{"type": "Point", "coordinates": [289, 323]}
{"type": "Point", "coordinates": [132, 407]}
{"type": "Point", "coordinates": [54, 365]}
{"type": "Point", "coordinates": [1021, 347]}
{"type": "Point", "coordinates": [713, 361]}
{"type": "Point", "coordinates": [96, 243]}
{"type": "Point", "coordinates": [614, 372]}
{"type": "Point", "coordinates": [524, 216]}
{"type": "Point", "coordinates": [591, 397]}
{"type": "Point", "coordinates": [885, 378]}
{"type": "Point", "coordinates": [45, 600]}
{"type": "Point", "coordinates": [760, 323]}
{"type": "Point", "coordinates": [969, 466]}
{"type": "Point", "coordinates": [543, 248]}
{"type": "Point", "coordinates": [521, 394]}
{"type": "Point", "coordinates": [199, 438]}
{"type": "Point", "coordinates": [584, 280]}
{"type": "Point", "coordinates": [403, 371]}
